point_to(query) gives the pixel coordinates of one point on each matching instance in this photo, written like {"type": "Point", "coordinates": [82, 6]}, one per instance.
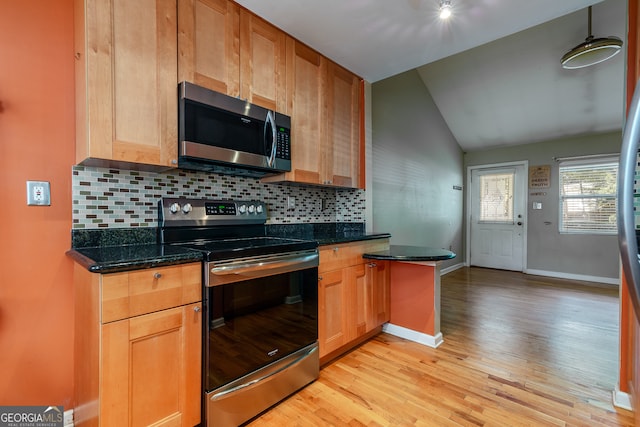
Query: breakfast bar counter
{"type": "Point", "coordinates": [415, 291]}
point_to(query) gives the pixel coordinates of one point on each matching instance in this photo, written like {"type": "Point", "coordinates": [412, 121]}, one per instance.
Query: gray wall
{"type": "Point", "coordinates": [416, 162]}
{"type": "Point", "coordinates": [569, 255]}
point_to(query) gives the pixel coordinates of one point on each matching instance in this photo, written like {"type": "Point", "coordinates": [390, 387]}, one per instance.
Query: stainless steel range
{"type": "Point", "coordinates": [260, 297]}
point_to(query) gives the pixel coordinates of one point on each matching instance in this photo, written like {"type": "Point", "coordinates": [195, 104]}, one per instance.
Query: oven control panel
{"type": "Point", "coordinates": [221, 208]}
{"type": "Point", "coordinates": [182, 211]}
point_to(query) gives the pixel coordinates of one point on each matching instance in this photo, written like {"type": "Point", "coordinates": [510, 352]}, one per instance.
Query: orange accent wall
{"type": "Point", "coordinates": [36, 143]}
{"type": "Point", "coordinates": [412, 303]}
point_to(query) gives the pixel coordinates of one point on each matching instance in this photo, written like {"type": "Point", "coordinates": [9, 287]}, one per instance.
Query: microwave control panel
{"type": "Point", "coordinates": [283, 147]}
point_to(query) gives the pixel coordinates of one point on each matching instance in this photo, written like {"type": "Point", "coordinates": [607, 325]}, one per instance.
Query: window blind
{"type": "Point", "coordinates": [588, 201]}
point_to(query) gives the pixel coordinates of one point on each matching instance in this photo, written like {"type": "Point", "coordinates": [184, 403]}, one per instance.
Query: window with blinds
{"type": "Point", "coordinates": [588, 195]}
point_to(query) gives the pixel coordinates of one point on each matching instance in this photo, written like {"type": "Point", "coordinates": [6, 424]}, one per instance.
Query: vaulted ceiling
{"type": "Point", "coordinates": [493, 69]}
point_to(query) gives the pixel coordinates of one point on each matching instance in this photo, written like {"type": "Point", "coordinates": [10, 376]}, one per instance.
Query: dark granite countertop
{"type": "Point", "coordinates": [325, 233]}
{"type": "Point", "coordinates": [346, 238]}
{"type": "Point", "coordinates": [111, 259]}
{"type": "Point", "coordinates": [113, 250]}
{"type": "Point", "coordinates": [411, 253]}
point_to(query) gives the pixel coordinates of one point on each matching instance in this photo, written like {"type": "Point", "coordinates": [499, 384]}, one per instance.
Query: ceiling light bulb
{"type": "Point", "coordinates": [445, 9]}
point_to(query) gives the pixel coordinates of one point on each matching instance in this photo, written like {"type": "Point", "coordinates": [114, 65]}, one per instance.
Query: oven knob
{"type": "Point", "coordinates": [252, 209]}
{"type": "Point", "coordinates": [242, 209]}
{"type": "Point", "coordinates": [187, 208]}
{"type": "Point", "coordinates": [259, 209]}
{"type": "Point", "coordinates": [174, 208]}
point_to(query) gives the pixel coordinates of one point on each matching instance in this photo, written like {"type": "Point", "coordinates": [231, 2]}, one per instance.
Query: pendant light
{"type": "Point", "coordinates": [592, 51]}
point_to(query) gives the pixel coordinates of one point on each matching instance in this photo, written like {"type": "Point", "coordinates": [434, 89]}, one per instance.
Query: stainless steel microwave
{"type": "Point", "coordinates": [222, 134]}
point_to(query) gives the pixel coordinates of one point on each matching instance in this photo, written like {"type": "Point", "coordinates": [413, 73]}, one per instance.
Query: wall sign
{"type": "Point", "coordinates": [539, 176]}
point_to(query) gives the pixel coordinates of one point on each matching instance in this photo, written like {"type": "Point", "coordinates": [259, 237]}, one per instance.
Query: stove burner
{"type": "Point", "coordinates": [247, 247]}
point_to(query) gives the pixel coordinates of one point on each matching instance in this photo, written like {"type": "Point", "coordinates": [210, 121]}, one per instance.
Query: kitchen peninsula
{"type": "Point", "coordinates": [414, 291]}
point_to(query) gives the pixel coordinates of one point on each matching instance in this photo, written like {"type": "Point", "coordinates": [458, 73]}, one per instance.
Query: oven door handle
{"type": "Point", "coordinates": [267, 266]}
{"type": "Point", "coordinates": [279, 367]}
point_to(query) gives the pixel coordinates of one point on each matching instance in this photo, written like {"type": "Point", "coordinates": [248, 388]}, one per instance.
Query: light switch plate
{"type": "Point", "coordinates": [38, 193]}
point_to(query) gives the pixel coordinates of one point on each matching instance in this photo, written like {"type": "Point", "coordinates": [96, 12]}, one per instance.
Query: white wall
{"type": "Point", "coordinates": [416, 162]}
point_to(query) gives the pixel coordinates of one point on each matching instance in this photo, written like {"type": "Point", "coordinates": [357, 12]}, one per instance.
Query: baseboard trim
{"type": "Point", "coordinates": [415, 336]}
{"type": "Point", "coordinates": [621, 399]}
{"type": "Point", "coordinates": [581, 277]}
{"type": "Point", "coordinates": [68, 418]}
{"type": "Point", "coordinates": [451, 268]}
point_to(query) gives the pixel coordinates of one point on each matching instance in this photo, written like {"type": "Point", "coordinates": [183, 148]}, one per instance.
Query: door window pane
{"type": "Point", "coordinates": [496, 197]}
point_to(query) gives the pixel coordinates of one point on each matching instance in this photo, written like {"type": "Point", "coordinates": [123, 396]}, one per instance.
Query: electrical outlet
{"type": "Point", "coordinates": [38, 193]}
{"type": "Point", "coordinates": [291, 202]}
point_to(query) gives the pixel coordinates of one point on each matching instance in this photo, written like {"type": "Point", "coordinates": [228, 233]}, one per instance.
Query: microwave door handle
{"type": "Point", "coordinates": [626, 220]}
{"type": "Point", "coordinates": [270, 121]}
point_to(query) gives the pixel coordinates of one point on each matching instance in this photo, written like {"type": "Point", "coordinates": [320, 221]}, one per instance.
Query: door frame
{"type": "Point", "coordinates": [525, 213]}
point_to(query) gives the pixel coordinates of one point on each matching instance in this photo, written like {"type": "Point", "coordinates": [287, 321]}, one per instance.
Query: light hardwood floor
{"type": "Point", "coordinates": [518, 350]}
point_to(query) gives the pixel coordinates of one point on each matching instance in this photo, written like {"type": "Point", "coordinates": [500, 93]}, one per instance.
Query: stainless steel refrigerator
{"type": "Point", "coordinates": [626, 196]}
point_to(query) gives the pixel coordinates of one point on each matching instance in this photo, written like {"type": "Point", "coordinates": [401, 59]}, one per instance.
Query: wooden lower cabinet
{"type": "Point", "coordinates": [353, 296]}
{"type": "Point", "coordinates": [378, 277]}
{"type": "Point", "coordinates": [333, 313]}
{"type": "Point", "coordinates": [144, 369]}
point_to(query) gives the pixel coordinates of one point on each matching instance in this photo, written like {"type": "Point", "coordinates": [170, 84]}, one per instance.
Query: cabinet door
{"type": "Point", "coordinates": [361, 302]}
{"type": "Point", "coordinates": [306, 71]}
{"type": "Point", "coordinates": [208, 38]}
{"type": "Point", "coordinates": [332, 311]}
{"type": "Point", "coordinates": [151, 369]}
{"type": "Point", "coordinates": [343, 127]}
{"type": "Point", "coordinates": [378, 279]}
{"type": "Point", "coordinates": [126, 76]}
{"type": "Point", "coordinates": [262, 63]}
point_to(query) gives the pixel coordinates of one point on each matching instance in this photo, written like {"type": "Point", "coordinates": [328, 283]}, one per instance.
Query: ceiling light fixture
{"type": "Point", "coordinates": [592, 51]}
{"type": "Point", "coordinates": [445, 9]}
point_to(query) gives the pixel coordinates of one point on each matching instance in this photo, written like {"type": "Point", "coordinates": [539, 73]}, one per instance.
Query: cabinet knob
{"type": "Point", "coordinates": [335, 249]}
{"type": "Point", "coordinates": [157, 275]}
{"type": "Point", "coordinates": [373, 264]}
{"type": "Point", "coordinates": [319, 278]}
{"type": "Point", "coordinates": [196, 308]}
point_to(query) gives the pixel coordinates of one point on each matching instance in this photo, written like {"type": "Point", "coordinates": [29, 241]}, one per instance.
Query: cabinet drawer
{"type": "Point", "coordinates": [333, 257]}
{"type": "Point", "coordinates": [133, 293]}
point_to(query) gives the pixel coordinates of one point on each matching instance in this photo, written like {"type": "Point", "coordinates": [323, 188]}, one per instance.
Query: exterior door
{"type": "Point", "coordinates": [497, 217]}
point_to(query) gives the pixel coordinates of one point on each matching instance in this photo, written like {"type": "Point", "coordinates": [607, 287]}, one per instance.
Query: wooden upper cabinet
{"type": "Point", "coordinates": [325, 107]}
{"type": "Point", "coordinates": [262, 63]}
{"type": "Point", "coordinates": [306, 70]}
{"type": "Point", "coordinates": [343, 127]}
{"type": "Point", "coordinates": [228, 49]}
{"type": "Point", "coordinates": [126, 76]}
{"type": "Point", "coordinates": [209, 44]}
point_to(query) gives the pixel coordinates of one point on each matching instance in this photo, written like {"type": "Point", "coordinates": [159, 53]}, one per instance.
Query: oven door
{"type": "Point", "coordinates": [259, 311]}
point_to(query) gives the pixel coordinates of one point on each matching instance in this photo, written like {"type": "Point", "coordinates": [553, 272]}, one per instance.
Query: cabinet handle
{"type": "Point", "coordinates": [335, 249]}
{"type": "Point", "coordinates": [196, 308]}
{"type": "Point", "coordinates": [373, 264]}
{"type": "Point", "coordinates": [157, 275]}
{"type": "Point", "coordinates": [319, 278]}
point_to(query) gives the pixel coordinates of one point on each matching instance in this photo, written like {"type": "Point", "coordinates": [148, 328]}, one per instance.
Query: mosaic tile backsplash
{"type": "Point", "coordinates": [114, 198]}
